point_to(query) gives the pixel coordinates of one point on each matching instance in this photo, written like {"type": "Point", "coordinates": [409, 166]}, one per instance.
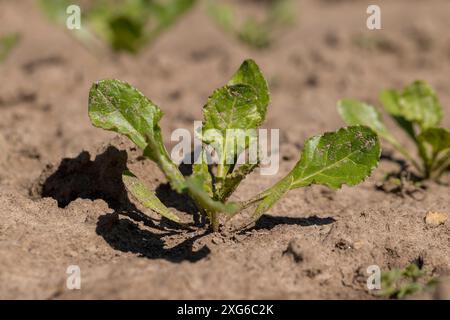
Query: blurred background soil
{"type": "Point", "coordinates": [62, 202]}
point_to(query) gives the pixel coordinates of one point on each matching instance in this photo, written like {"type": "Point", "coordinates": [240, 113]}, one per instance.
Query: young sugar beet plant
{"type": "Point", "coordinates": [418, 112]}
{"type": "Point", "coordinates": [346, 156]}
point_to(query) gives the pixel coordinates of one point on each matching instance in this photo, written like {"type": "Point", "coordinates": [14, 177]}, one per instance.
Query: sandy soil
{"type": "Point", "coordinates": [62, 202]}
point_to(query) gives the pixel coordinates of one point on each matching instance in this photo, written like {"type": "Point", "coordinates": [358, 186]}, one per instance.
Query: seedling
{"type": "Point", "coordinates": [418, 112]}
{"type": "Point", "coordinates": [346, 156]}
{"type": "Point", "coordinates": [400, 283]}
{"type": "Point", "coordinates": [125, 25]}
{"type": "Point", "coordinates": [256, 33]}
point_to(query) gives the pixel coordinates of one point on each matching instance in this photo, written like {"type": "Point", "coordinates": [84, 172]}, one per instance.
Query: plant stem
{"type": "Point", "coordinates": [215, 221]}
{"type": "Point", "coordinates": [221, 170]}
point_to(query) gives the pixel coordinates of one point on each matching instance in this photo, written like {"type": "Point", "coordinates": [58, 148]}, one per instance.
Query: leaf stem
{"type": "Point", "coordinates": [425, 159]}
{"type": "Point", "coordinates": [259, 197]}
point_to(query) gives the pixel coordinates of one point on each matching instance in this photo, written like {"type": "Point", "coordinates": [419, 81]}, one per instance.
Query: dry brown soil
{"type": "Point", "coordinates": [62, 202]}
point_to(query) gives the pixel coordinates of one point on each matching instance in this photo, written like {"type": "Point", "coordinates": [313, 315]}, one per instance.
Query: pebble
{"type": "Point", "coordinates": [435, 218]}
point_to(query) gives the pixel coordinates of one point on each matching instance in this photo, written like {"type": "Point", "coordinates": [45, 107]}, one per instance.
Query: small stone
{"type": "Point", "coordinates": [358, 244]}
{"type": "Point", "coordinates": [435, 218]}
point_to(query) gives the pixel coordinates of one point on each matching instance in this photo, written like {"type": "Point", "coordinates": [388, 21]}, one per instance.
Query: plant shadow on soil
{"type": "Point", "coordinates": [80, 177]}
{"type": "Point", "coordinates": [269, 222]}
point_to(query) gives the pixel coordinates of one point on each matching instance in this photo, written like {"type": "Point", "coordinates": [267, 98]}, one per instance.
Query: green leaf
{"type": "Point", "coordinates": [354, 112]}
{"type": "Point", "coordinates": [346, 156]}
{"type": "Point", "coordinates": [230, 115]}
{"type": "Point", "coordinates": [439, 141]}
{"type": "Point", "coordinates": [390, 100]}
{"type": "Point", "coordinates": [241, 104]}
{"type": "Point", "coordinates": [232, 180]}
{"type": "Point", "coordinates": [202, 169]}
{"type": "Point", "coordinates": [126, 33]}
{"type": "Point", "coordinates": [250, 74]}
{"type": "Point", "coordinates": [232, 107]}
{"type": "Point", "coordinates": [117, 106]}
{"type": "Point", "coordinates": [399, 283]}
{"type": "Point", "coordinates": [233, 113]}
{"type": "Point", "coordinates": [126, 25]}
{"type": "Point", "coordinates": [437, 138]}
{"type": "Point", "coordinates": [417, 103]}
{"type": "Point", "coordinates": [120, 23]}
{"type": "Point", "coordinates": [195, 184]}
{"type": "Point", "coordinates": [146, 197]}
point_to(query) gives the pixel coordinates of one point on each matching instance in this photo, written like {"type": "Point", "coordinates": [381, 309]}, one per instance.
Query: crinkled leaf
{"type": "Point", "coordinates": [230, 117]}
{"type": "Point", "coordinates": [146, 197]}
{"type": "Point", "coordinates": [233, 113]}
{"type": "Point", "coordinates": [418, 103]}
{"type": "Point", "coordinates": [195, 185]}
{"type": "Point", "coordinates": [250, 74]}
{"type": "Point", "coordinates": [232, 107]}
{"type": "Point", "coordinates": [232, 180]}
{"type": "Point", "coordinates": [242, 104]}
{"type": "Point", "coordinates": [346, 156]}
{"type": "Point", "coordinates": [117, 106]}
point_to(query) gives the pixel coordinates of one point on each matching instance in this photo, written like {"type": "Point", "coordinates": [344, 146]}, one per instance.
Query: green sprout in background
{"type": "Point", "coordinates": [400, 283]}
{"type": "Point", "coordinates": [346, 156]}
{"type": "Point", "coordinates": [418, 112]}
{"type": "Point", "coordinates": [7, 44]}
{"type": "Point", "coordinates": [256, 33]}
{"type": "Point", "coordinates": [126, 25]}
{"type": "Point", "coordinates": [129, 25]}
